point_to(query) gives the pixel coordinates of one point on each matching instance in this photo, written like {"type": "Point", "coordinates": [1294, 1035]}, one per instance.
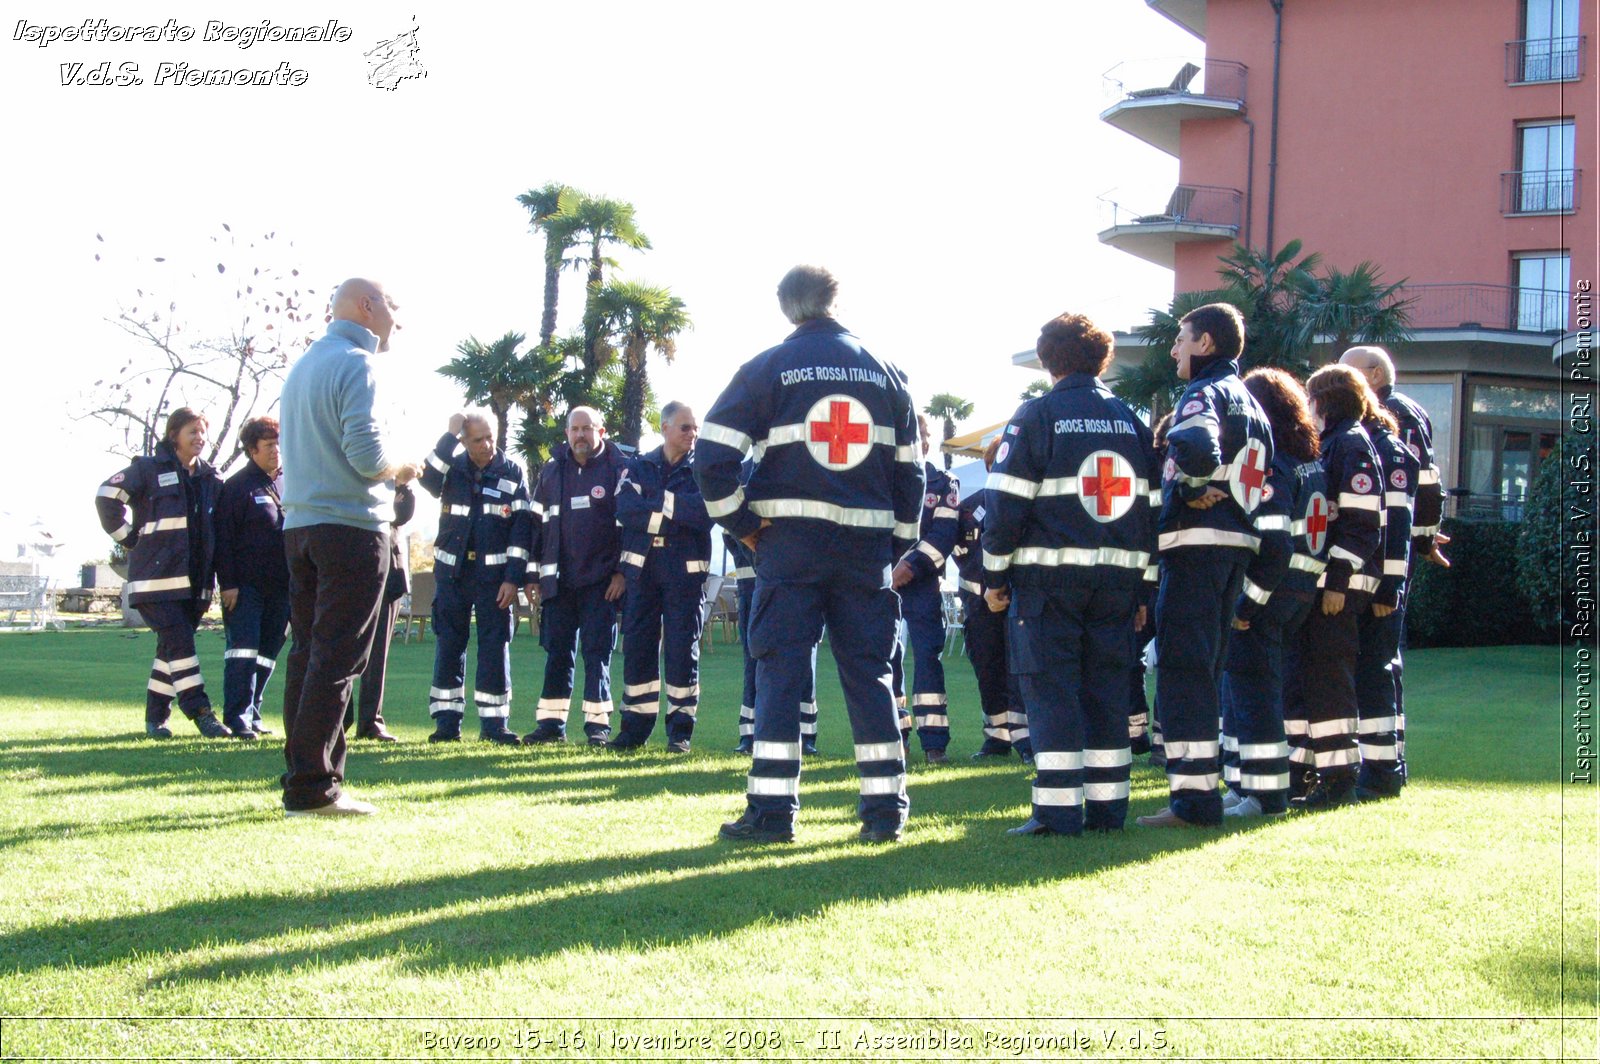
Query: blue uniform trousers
{"type": "Point", "coordinates": [1325, 738]}
{"type": "Point", "coordinates": [661, 619]}
{"type": "Point", "coordinates": [1139, 722]}
{"type": "Point", "coordinates": [454, 603]}
{"type": "Point", "coordinates": [799, 589]}
{"type": "Point", "coordinates": [1005, 721]}
{"type": "Point", "coordinates": [577, 617]}
{"type": "Point", "coordinates": [922, 603]}
{"type": "Point", "coordinates": [747, 706]}
{"type": "Point", "coordinates": [175, 673]}
{"type": "Point", "coordinates": [1400, 692]}
{"type": "Point", "coordinates": [1069, 647]}
{"type": "Point", "coordinates": [1377, 724]}
{"type": "Point", "coordinates": [256, 628]}
{"type": "Point", "coordinates": [1255, 752]}
{"type": "Point", "coordinates": [1194, 608]}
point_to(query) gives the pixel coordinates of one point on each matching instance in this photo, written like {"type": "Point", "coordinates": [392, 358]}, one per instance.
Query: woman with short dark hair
{"type": "Point", "coordinates": [171, 546]}
{"type": "Point", "coordinates": [253, 573]}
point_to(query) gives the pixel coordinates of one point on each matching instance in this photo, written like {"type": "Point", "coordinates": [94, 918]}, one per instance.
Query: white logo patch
{"type": "Point", "coordinates": [1000, 455]}
{"type": "Point", "coordinates": [839, 432]}
{"type": "Point", "coordinates": [1105, 485]}
{"type": "Point", "coordinates": [1361, 484]}
{"type": "Point", "coordinates": [1248, 475]}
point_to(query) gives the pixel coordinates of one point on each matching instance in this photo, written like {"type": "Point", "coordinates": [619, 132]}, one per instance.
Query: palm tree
{"type": "Point", "coordinates": [1354, 307]}
{"type": "Point", "coordinates": [493, 375]}
{"type": "Point", "coordinates": [1034, 389]}
{"type": "Point", "coordinates": [1268, 288]}
{"type": "Point", "coordinates": [634, 317]}
{"type": "Point", "coordinates": [550, 212]}
{"type": "Point", "coordinates": [598, 222]}
{"type": "Point", "coordinates": [554, 386]}
{"type": "Point", "coordinates": [1153, 385]}
{"type": "Point", "coordinates": [951, 408]}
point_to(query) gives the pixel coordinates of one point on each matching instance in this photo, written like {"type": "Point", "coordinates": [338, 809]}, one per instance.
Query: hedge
{"type": "Point", "coordinates": [1477, 602]}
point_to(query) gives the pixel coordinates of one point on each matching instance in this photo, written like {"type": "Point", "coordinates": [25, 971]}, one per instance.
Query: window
{"type": "Point", "coordinates": [1546, 158]}
{"type": "Point", "coordinates": [1550, 45]}
{"type": "Point", "coordinates": [1542, 280]}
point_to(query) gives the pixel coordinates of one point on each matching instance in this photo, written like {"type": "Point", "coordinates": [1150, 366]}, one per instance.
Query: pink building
{"type": "Point", "coordinates": [1444, 140]}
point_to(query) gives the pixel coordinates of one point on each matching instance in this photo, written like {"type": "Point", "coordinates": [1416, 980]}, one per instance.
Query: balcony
{"type": "Point", "coordinates": [1193, 213]}
{"type": "Point", "coordinates": [1542, 59]}
{"type": "Point", "coordinates": [1155, 97]}
{"type": "Point", "coordinates": [1189, 14]}
{"type": "Point", "coordinates": [1487, 306]}
{"type": "Point", "coordinates": [1538, 191]}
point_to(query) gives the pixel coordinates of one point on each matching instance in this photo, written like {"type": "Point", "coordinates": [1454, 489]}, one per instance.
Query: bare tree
{"type": "Point", "coordinates": [231, 373]}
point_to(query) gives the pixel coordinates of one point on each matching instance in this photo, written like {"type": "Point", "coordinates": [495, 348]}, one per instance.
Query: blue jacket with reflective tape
{"type": "Point", "coordinates": [576, 539]}
{"type": "Point", "coordinates": [1215, 423]}
{"type": "Point", "coordinates": [249, 522]}
{"type": "Point", "coordinates": [1416, 432]}
{"type": "Point", "coordinates": [1355, 536]}
{"type": "Point", "coordinates": [486, 511]}
{"type": "Point", "coordinates": [661, 513]}
{"type": "Point", "coordinates": [1070, 497]}
{"type": "Point", "coordinates": [939, 527]}
{"type": "Point", "coordinates": [1292, 521]}
{"type": "Point", "coordinates": [968, 551]}
{"type": "Point", "coordinates": [833, 434]}
{"type": "Point", "coordinates": [1400, 468]}
{"type": "Point", "coordinates": [162, 566]}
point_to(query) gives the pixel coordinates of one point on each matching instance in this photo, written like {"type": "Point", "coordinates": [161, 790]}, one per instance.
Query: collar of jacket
{"type": "Point", "coordinates": [1214, 367]}
{"type": "Point", "coordinates": [167, 456]}
{"type": "Point", "coordinates": [1075, 380]}
{"type": "Point", "coordinates": [357, 334]}
{"type": "Point", "coordinates": [816, 325]}
{"type": "Point", "coordinates": [464, 460]}
{"type": "Point", "coordinates": [659, 457]}
{"type": "Point", "coordinates": [563, 452]}
{"type": "Point", "coordinates": [1342, 425]}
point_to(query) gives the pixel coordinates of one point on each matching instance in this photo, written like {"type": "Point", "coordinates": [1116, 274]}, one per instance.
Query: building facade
{"type": "Point", "coordinates": [1445, 141]}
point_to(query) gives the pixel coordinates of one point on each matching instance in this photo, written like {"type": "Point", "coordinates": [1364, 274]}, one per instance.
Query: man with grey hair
{"type": "Point", "coordinates": [1416, 432]}
{"type": "Point", "coordinates": [578, 548]}
{"type": "Point", "coordinates": [834, 499]}
{"type": "Point", "coordinates": [666, 553]}
{"type": "Point", "coordinates": [480, 558]}
{"type": "Point", "coordinates": [338, 499]}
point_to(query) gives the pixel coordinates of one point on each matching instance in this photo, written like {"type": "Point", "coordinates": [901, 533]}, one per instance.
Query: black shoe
{"type": "Point", "coordinates": [624, 743]}
{"type": "Point", "coordinates": [377, 733]}
{"type": "Point", "coordinates": [680, 746]}
{"type": "Point", "coordinates": [1140, 746]}
{"type": "Point", "coordinates": [748, 829]}
{"type": "Point", "coordinates": [1158, 759]}
{"type": "Point", "coordinates": [935, 757]}
{"type": "Point", "coordinates": [1300, 782]}
{"type": "Point", "coordinates": [212, 728]}
{"type": "Point", "coordinates": [157, 731]}
{"type": "Point", "coordinates": [889, 833]}
{"type": "Point", "coordinates": [446, 727]}
{"type": "Point", "coordinates": [500, 736]}
{"type": "Point", "coordinates": [541, 735]}
{"type": "Point", "coordinates": [988, 750]}
{"type": "Point", "coordinates": [745, 747]}
{"type": "Point", "coordinates": [1374, 794]}
{"type": "Point", "coordinates": [599, 741]}
{"type": "Point", "coordinates": [261, 729]}
{"type": "Point", "coordinates": [1032, 827]}
{"type": "Point", "coordinates": [1329, 793]}
{"type": "Point", "coordinates": [808, 747]}
{"type": "Point", "coordinates": [1026, 756]}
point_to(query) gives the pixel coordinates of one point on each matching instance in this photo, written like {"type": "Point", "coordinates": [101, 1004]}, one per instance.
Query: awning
{"type": "Point", "coordinates": [972, 444]}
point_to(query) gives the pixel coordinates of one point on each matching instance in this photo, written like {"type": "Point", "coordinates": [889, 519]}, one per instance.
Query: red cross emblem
{"type": "Point", "coordinates": [1249, 475]}
{"type": "Point", "coordinates": [1316, 522]}
{"type": "Point", "coordinates": [839, 432]}
{"type": "Point", "coordinates": [1105, 485]}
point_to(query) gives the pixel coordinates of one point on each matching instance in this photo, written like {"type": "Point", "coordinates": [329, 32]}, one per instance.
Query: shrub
{"type": "Point", "coordinates": [1474, 603]}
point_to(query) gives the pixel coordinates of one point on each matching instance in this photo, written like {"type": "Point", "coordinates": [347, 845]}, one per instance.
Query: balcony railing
{"type": "Point", "coordinates": [1544, 59]}
{"type": "Point", "coordinates": [1199, 205]}
{"type": "Point", "coordinates": [1539, 191]}
{"type": "Point", "coordinates": [1464, 505]}
{"type": "Point", "coordinates": [1487, 306]}
{"type": "Point", "coordinates": [1146, 79]}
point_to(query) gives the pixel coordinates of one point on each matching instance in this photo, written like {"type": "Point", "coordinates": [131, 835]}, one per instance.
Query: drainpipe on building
{"type": "Point", "coordinates": [1249, 178]}
{"type": "Point", "coordinates": [1272, 161]}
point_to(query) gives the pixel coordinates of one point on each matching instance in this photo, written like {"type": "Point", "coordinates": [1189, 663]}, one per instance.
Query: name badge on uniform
{"type": "Point", "coordinates": [507, 486]}
{"type": "Point", "coordinates": [167, 480]}
{"type": "Point", "coordinates": [262, 500]}
{"type": "Point", "coordinates": [491, 492]}
{"type": "Point", "coordinates": [578, 502]}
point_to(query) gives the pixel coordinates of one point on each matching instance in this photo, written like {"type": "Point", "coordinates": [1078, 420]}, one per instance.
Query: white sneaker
{"type": "Point", "coordinates": [1231, 799]}
{"type": "Point", "coordinates": [1250, 806]}
{"type": "Point", "coordinates": [344, 805]}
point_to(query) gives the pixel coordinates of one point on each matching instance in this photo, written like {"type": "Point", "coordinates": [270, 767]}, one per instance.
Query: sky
{"type": "Point", "coordinates": [947, 166]}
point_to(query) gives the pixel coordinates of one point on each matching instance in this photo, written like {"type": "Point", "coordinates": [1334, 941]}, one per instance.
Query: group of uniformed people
{"type": "Point", "coordinates": [1264, 536]}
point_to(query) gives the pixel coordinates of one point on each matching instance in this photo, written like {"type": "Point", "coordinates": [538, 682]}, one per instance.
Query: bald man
{"type": "Point", "coordinates": [340, 474]}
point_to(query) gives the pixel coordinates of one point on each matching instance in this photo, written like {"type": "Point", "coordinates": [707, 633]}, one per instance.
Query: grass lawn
{"type": "Point", "coordinates": [571, 904]}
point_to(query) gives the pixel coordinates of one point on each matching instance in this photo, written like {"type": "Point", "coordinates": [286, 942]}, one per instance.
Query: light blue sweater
{"type": "Point", "coordinates": [332, 447]}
